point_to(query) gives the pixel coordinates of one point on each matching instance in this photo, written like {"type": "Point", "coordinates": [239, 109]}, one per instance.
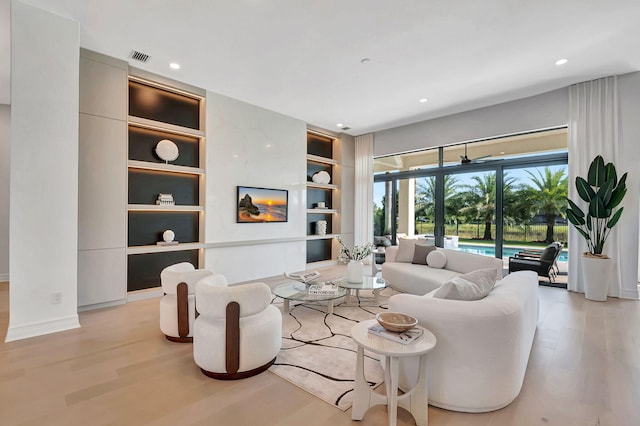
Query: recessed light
{"type": "Point", "coordinates": [268, 145]}
{"type": "Point", "coordinates": [175, 65]}
{"type": "Point", "coordinates": [423, 100]}
{"type": "Point", "coordinates": [501, 152]}
{"type": "Point", "coordinates": [235, 156]}
{"type": "Point", "coordinates": [339, 124]}
{"type": "Point", "coordinates": [561, 61]}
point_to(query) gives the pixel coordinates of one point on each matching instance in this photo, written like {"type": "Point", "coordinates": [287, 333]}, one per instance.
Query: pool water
{"type": "Point", "coordinates": [506, 251]}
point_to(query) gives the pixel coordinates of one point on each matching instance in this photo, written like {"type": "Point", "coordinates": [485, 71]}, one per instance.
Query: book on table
{"type": "Point", "coordinates": [404, 337]}
{"type": "Point", "coordinates": [304, 277]}
{"type": "Point", "coordinates": [324, 289]}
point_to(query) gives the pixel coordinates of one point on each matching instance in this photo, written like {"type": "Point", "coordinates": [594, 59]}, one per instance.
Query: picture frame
{"type": "Point", "coordinates": [261, 205]}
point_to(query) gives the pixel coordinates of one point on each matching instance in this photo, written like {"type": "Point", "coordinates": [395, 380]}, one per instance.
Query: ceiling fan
{"type": "Point", "coordinates": [464, 159]}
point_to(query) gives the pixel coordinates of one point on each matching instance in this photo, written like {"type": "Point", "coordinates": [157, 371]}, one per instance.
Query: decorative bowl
{"type": "Point", "coordinates": [396, 322]}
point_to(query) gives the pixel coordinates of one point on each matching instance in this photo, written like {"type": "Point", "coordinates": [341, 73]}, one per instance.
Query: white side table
{"type": "Point", "coordinates": [416, 400]}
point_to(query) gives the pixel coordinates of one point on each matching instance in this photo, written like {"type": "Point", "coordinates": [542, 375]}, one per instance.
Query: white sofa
{"type": "Point", "coordinates": [408, 277]}
{"type": "Point", "coordinates": [482, 347]}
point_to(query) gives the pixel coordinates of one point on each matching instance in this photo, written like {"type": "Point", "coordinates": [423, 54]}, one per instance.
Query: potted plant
{"type": "Point", "coordinates": [603, 193]}
{"type": "Point", "coordinates": [355, 267]}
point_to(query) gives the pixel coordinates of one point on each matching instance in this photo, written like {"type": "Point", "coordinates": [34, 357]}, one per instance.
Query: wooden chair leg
{"type": "Point", "coordinates": [232, 352]}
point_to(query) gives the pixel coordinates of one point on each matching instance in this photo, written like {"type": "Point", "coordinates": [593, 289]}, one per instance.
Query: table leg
{"type": "Point", "coordinates": [286, 306]}
{"type": "Point", "coordinates": [330, 306]}
{"type": "Point", "coordinates": [419, 395]}
{"type": "Point", "coordinates": [376, 296]}
{"type": "Point", "coordinates": [362, 390]}
{"type": "Point", "coordinates": [392, 391]}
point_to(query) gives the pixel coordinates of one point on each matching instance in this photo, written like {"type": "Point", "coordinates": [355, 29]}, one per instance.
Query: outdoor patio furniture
{"type": "Point", "coordinates": [543, 263]}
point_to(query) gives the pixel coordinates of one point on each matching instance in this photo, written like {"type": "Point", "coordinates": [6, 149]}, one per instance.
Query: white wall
{"type": "Point", "coordinates": [5, 134]}
{"type": "Point", "coordinates": [237, 154]}
{"type": "Point", "coordinates": [536, 112]}
{"type": "Point", "coordinates": [44, 172]}
{"type": "Point", "coordinates": [629, 135]}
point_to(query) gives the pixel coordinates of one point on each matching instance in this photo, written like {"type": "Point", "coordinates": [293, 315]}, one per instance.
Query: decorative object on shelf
{"type": "Point", "coordinates": [167, 150]}
{"type": "Point", "coordinates": [165, 200]}
{"type": "Point", "coordinates": [321, 177]}
{"type": "Point", "coordinates": [321, 227]}
{"type": "Point", "coordinates": [603, 192]}
{"type": "Point", "coordinates": [321, 205]}
{"type": "Point", "coordinates": [257, 205]}
{"type": "Point", "coordinates": [396, 322]}
{"type": "Point", "coordinates": [168, 235]}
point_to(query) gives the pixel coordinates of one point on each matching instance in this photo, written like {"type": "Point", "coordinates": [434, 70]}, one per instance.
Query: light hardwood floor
{"type": "Point", "coordinates": [117, 369]}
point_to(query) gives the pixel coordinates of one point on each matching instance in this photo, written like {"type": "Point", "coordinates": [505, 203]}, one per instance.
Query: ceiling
{"type": "Point", "coordinates": [305, 59]}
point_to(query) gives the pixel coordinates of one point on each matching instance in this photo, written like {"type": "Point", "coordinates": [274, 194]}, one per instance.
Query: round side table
{"type": "Point", "coordinates": [415, 400]}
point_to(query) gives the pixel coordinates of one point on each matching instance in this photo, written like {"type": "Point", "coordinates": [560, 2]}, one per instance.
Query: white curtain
{"type": "Point", "coordinates": [363, 194]}
{"type": "Point", "coordinates": [593, 130]}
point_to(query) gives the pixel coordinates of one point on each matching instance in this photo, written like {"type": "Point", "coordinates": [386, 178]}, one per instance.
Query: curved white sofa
{"type": "Point", "coordinates": [482, 347]}
{"type": "Point", "coordinates": [421, 279]}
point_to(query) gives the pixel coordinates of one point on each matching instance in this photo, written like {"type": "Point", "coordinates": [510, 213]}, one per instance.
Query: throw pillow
{"type": "Point", "coordinates": [472, 286]}
{"type": "Point", "coordinates": [437, 259]}
{"type": "Point", "coordinates": [405, 249]}
{"type": "Point", "coordinates": [420, 254]}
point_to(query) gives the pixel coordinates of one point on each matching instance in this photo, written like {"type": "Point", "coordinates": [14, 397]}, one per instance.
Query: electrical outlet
{"type": "Point", "coordinates": [56, 297]}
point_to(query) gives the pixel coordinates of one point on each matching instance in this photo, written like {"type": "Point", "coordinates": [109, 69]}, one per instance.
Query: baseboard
{"type": "Point", "coordinates": [4, 277]}
{"type": "Point", "coordinates": [630, 293]}
{"type": "Point", "coordinates": [150, 293]}
{"type": "Point", "coordinates": [43, 327]}
{"type": "Point", "coordinates": [101, 305]}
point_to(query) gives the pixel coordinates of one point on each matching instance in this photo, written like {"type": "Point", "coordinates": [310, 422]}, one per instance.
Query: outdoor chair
{"type": "Point", "coordinates": [543, 263]}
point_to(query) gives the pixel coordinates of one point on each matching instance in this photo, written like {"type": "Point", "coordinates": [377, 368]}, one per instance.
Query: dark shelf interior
{"type": "Point", "coordinates": [146, 228]}
{"type": "Point", "coordinates": [313, 168]}
{"type": "Point", "coordinates": [318, 250]}
{"type": "Point", "coordinates": [312, 219]}
{"type": "Point", "coordinates": [142, 144]}
{"type": "Point", "coordinates": [315, 195]}
{"type": "Point", "coordinates": [162, 105]}
{"type": "Point", "coordinates": [143, 270]}
{"type": "Point", "coordinates": [319, 145]}
{"type": "Point", "coordinates": [145, 185]}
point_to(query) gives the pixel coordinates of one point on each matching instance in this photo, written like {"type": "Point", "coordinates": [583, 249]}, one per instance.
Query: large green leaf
{"type": "Point", "coordinates": [618, 193]}
{"type": "Point", "coordinates": [610, 173]}
{"type": "Point", "coordinates": [605, 191]}
{"type": "Point", "coordinates": [597, 172]}
{"type": "Point", "coordinates": [584, 189]}
{"type": "Point", "coordinates": [584, 234]}
{"type": "Point", "coordinates": [589, 221]}
{"type": "Point", "coordinates": [576, 210]}
{"type": "Point", "coordinates": [597, 208]}
{"type": "Point", "coordinates": [614, 219]}
{"type": "Point", "coordinates": [576, 220]}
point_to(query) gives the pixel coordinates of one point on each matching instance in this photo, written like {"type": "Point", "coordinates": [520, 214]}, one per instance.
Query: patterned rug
{"type": "Point", "coordinates": [318, 354]}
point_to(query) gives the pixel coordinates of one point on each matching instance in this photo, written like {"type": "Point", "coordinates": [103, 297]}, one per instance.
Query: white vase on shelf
{"type": "Point", "coordinates": [355, 271]}
{"type": "Point", "coordinates": [321, 227]}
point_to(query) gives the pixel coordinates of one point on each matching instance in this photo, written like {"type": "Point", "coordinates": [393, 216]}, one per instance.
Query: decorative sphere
{"type": "Point", "coordinates": [168, 235]}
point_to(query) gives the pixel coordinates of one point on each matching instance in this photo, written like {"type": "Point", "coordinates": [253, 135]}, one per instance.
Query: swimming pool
{"type": "Point", "coordinates": [506, 251]}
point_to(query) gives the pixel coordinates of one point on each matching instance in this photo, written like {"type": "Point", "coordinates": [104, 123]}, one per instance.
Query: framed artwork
{"type": "Point", "coordinates": [259, 205]}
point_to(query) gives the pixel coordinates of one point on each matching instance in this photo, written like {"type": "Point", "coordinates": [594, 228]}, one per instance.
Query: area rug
{"type": "Point", "coordinates": [318, 354]}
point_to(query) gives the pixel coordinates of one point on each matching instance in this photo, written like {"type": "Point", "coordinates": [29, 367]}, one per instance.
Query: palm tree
{"type": "Point", "coordinates": [482, 199]}
{"type": "Point", "coordinates": [549, 195]}
{"type": "Point", "coordinates": [426, 195]}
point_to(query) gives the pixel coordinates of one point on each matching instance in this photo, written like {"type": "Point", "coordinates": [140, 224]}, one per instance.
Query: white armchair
{"type": "Point", "coordinates": [238, 333]}
{"type": "Point", "coordinates": [177, 306]}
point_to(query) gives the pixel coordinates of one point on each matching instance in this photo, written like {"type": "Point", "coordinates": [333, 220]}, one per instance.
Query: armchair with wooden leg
{"type": "Point", "coordinates": [177, 306]}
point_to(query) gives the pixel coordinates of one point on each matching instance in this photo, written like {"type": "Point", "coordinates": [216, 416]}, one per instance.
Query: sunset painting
{"type": "Point", "coordinates": [261, 205]}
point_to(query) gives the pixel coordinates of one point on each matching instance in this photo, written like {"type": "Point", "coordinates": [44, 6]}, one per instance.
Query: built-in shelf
{"type": "Point", "coordinates": [321, 185]}
{"type": "Point", "coordinates": [163, 249]}
{"type": "Point", "coordinates": [163, 167]}
{"type": "Point", "coordinates": [157, 125]}
{"type": "Point", "coordinates": [322, 237]}
{"type": "Point", "coordinates": [154, 207]}
{"type": "Point", "coordinates": [322, 160]}
{"type": "Point", "coordinates": [322, 211]}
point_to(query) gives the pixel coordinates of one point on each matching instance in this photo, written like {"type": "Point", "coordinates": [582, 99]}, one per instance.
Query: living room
{"type": "Point", "coordinates": [259, 147]}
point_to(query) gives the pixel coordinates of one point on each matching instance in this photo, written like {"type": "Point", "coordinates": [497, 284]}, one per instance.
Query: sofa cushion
{"type": "Point", "coordinates": [472, 286]}
{"type": "Point", "coordinates": [406, 248]}
{"type": "Point", "coordinates": [420, 253]}
{"type": "Point", "coordinates": [415, 279]}
{"type": "Point", "coordinates": [437, 259]}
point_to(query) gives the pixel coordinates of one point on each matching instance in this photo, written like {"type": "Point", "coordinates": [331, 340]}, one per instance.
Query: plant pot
{"type": "Point", "coordinates": [597, 273]}
{"type": "Point", "coordinates": [355, 271]}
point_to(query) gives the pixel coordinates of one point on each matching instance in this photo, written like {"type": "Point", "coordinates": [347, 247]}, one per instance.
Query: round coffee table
{"type": "Point", "coordinates": [300, 292]}
{"type": "Point", "coordinates": [415, 400]}
{"type": "Point", "coordinates": [374, 284]}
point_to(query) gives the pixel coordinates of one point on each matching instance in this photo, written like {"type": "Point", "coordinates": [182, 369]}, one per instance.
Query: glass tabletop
{"type": "Point", "coordinates": [300, 292]}
{"type": "Point", "coordinates": [368, 283]}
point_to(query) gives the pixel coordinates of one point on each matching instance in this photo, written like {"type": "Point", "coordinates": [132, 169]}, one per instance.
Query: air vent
{"type": "Point", "coordinates": [139, 56]}
{"type": "Point", "coordinates": [346, 128]}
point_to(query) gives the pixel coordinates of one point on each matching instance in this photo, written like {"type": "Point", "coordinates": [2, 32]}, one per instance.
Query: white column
{"type": "Point", "coordinates": [43, 229]}
{"type": "Point", "coordinates": [406, 207]}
